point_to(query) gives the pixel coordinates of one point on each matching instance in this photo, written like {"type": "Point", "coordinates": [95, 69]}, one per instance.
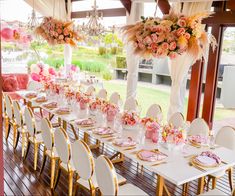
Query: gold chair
{"type": "Point", "coordinates": [63, 148]}
{"type": "Point", "coordinates": [34, 136]}
{"type": "Point", "coordinates": [49, 148]}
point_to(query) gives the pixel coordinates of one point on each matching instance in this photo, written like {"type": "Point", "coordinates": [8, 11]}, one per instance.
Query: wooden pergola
{"type": "Point", "coordinates": [224, 16]}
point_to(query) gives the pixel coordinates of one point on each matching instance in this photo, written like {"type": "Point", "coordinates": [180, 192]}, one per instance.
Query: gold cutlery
{"type": "Point", "coordinates": [107, 136]}
{"type": "Point", "coordinates": [129, 148]}
{"type": "Point", "coordinates": [160, 163]}
{"type": "Point", "coordinates": [135, 152]}
{"type": "Point", "coordinates": [197, 167]}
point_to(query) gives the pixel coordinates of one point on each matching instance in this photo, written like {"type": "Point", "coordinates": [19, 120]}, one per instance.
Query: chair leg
{"type": "Point", "coordinates": [92, 188]}
{"type": "Point", "coordinates": [41, 112]}
{"type": "Point", "coordinates": [53, 162]}
{"type": "Point", "coordinates": [185, 189]}
{"type": "Point", "coordinates": [70, 183]}
{"type": "Point", "coordinates": [35, 155]}
{"type": "Point", "coordinates": [57, 177]}
{"type": "Point", "coordinates": [75, 189]}
{"type": "Point", "coordinates": [214, 182]}
{"type": "Point", "coordinates": [27, 150]}
{"type": "Point", "coordinates": [14, 134]}
{"type": "Point", "coordinates": [17, 139]}
{"type": "Point", "coordinates": [44, 158]}
{"type": "Point", "coordinates": [7, 128]}
{"type": "Point", "coordinates": [230, 176]}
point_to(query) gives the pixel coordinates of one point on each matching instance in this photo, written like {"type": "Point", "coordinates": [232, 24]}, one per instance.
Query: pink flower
{"type": "Point", "coordinates": [59, 30]}
{"type": "Point", "coordinates": [170, 38]}
{"type": "Point", "coordinates": [51, 71]}
{"type": "Point", "coordinates": [167, 29]}
{"type": "Point", "coordinates": [161, 38]}
{"type": "Point", "coordinates": [172, 46]}
{"type": "Point", "coordinates": [66, 31]}
{"type": "Point", "coordinates": [182, 22]}
{"type": "Point", "coordinates": [61, 37]}
{"type": "Point", "coordinates": [67, 40]}
{"type": "Point", "coordinates": [161, 52]}
{"type": "Point", "coordinates": [173, 55]}
{"type": "Point", "coordinates": [180, 32]}
{"type": "Point", "coordinates": [35, 77]}
{"type": "Point", "coordinates": [147, 40]}
{"type": "Point", "coordinates": [187, 35]}
{"type": "Point", "coordinates": [159, 29]}
{"type": "Point", "coordinates": [165, 45]}
{"type": "Point", "coordinates": [154, 37]}
{"type": "Point", "coordinates": [73, 68]}
{"type": "Point", "coordinates": [154, 46]}
{"type": "Point", "coordinates": [154, 28]}
{"type": "Point", "coordinates": [141, 46]}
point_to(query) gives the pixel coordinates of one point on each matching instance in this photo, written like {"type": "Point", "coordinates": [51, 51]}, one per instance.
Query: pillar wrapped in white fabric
{"type": "Point", "coordinates": [179, 67]}
{"type": "Point", "coordinates": [133, 60]}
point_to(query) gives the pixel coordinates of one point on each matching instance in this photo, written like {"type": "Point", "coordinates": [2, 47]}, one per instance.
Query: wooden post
{"type": "Point", "coordinates": [212, 76]}
{"type": "Point", "coordinates": [195, 90]}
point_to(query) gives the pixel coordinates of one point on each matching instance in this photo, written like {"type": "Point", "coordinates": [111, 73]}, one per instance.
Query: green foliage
{"type": "Point", "coordinates": [102, 50]}
{"type": "Point", "coordinates": [111, 38]}
{"type": "Point", "coordinates": [121, 62]}
{"type": "Point", "coordinates": [89, 65]}
{"type": "Point", "coordinates": [107, 75]}
{"type": "Point", "coordinates": [54, 62]}
{"type": "Point", "coordinates": [114, 50]}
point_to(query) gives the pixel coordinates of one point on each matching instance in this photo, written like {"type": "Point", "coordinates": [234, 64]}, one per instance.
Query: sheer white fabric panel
{"type": "Point", "coordinates": [46, 7]}
{"type": "Point", "coordinates": [179, 67]}
{"type": "Point", "coordinates": [137, 10]}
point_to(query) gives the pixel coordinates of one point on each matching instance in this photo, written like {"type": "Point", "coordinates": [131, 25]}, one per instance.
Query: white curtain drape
{"type": "Point", "coordinates": [55, 8]}
{"type": "Point", "coordinates": [137, 10]}
{"type": "Point", "coordinates": [179, 67]}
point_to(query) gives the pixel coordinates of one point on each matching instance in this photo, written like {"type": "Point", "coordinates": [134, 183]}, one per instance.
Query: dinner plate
{"type": "Point", "coordinates": [211, 164]}
{"type": "Point", "coordinates": [151, 155]}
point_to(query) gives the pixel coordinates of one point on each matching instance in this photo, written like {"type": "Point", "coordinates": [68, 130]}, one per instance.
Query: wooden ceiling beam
{"type": "Point", "coordinates": [222, 18]}
{"type": "Point", "coordinates": [127, 5]}
{"type": "Point", "coordinates": [106, 13]}
{"type": "Point", "coordinates": [164, 6]}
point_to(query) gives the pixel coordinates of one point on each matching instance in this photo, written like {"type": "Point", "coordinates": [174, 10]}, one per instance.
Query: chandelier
{"type": "Point", "coordinates": [32, 21]}
{"type": "Point", "coordinates": [93, 26]}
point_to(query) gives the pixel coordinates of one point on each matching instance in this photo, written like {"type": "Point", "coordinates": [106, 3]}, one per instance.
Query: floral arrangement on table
{"type": "Point", "coordinates": [152, 131]}
{"type": "Point", "coordinates": [84, 100]}
{"type": "Point", "coordinates": [41, 72]}
{"type": "Point", "coordinates": [130, 118]}
{"type": "Point", "coordinates": [57, 31]}
{"type": "Point", "coordinates": [69, 94]}
{"type": "Point", "coordinates": [146, 120]}
{"type": "Point", "coordinates": [172, 135]}
{"type": "Point", "coordinates": [110, 110]}
{"type": "Point", "coordinates": [96, 104]}
{"type": "Point", "coordinates": [172, 35]}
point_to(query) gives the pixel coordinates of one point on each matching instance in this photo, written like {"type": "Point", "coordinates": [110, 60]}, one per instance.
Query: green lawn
{"type": "Point", "coordinates": [147, 96]}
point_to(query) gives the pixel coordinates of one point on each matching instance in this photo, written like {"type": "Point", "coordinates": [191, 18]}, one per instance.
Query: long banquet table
{"type": "Point", "coordinates": [177, 168]}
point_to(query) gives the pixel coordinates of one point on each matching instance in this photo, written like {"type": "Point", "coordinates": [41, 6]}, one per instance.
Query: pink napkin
{"type": "Point", "coordinates": [198, 139]}
{"type": "Point", "coordinates": [152, 156]}
{"type": "Point", "coordinates": [124, 142]}
{"type": "Point", "coordinates": [205, 160]}
{"type": "Point", "coordinates": [86, 122]}
{"type": "Point", "coordinates": [103, 131]}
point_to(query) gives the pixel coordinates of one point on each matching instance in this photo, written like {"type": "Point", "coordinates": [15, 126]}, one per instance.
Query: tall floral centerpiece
{"type": "Point", "coordinates": [130, 120]}
{"type": "Point", "coordinates": [83, 102]}
{"type": "Point", "coordinates": [110, 110]}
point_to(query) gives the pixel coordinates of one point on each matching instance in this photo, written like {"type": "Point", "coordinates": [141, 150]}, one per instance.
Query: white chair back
{"type": "Point", "coordinates": [130, 104]}
{"type": "Point", "coordinates": [47, 133]}
{"type": "Point", "coordinates": [9, 107]}
{"type": "Point", "coordinates": [62, 145]}
{"type": "Point", "coordinates": [226, 137]}
{"type": "Point", "coordinates": [17, 113]}
{"type": "Point", "coordinates": [106, 176]}
{"type": "Point", "coordinates": [177, 120]}
{"type": "Point", "coordinates": [34, 85]}
{"type": "Point", "coordinates": [30, 121]}
{"type": "Point", "coordinates": [154, 111]}
{"type": "Point", "coordinates": [115, 98]}
{"type": "Point", "coordinates": [90, 90]}
{"type": "Point", "coordinates": [83, 159]}
{"type": "Point", "coordinates": [198, 127]}
{"type": "Point", "coordinates": [102, 94]}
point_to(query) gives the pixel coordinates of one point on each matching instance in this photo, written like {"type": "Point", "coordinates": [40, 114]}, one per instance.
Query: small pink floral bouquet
{"type": "Point", "coordinates": [96, 104]}
{"type": "Point", "coordinates": [57, 32]}
{"type": "Point", "coordinates": [145, 121]}
{"type": "Point", "coordinates": [69, 95]}
{"type": "Point", "coordinates": [110, 110]}
{"type": "Point", "coordinates": [84, 100]}
{"type": "Point", "coordinates": [152, 130]}
{"type": "Point", "coordinates": [130, 118]}
{"type": "Point", "coordinates": [172, 135]}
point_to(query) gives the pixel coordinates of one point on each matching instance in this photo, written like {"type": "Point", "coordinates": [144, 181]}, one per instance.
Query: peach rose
{"type": "Point", "coordinates": [154, 37]}
{"type": "Point", "coordinates": [181, 22]}
{"type": "Point", "coordinates": [147, 40]}
{"type": "Point", "coordinates": [154, 46]}
{"type": "Point", "coordinates": [172, 46]}
{"type": "Point", "coordinates": [61, 37]}
{"type": "Point", "coordinates": [165, 45]}
{"type": "Point", "coordinates": [173, 55]}
{"type": "Point", "coordinates": [159, 29]}
{"type": "Point", "coordinates": [180, 32]}
{"type": "Point", "coordinates": [187, 36]}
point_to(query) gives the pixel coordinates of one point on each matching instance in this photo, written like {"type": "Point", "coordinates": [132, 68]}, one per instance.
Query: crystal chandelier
{"type": "Point", "coordinates": [32, 21]}
{"type": "Point", "coordinates": [93, 27]}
